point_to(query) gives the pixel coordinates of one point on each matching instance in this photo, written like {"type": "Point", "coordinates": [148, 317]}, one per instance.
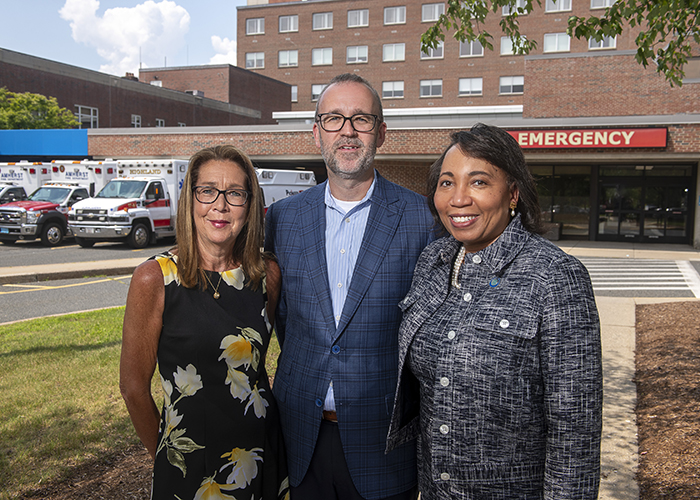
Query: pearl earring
{"type": "Point", "coordinates": [512, 208]}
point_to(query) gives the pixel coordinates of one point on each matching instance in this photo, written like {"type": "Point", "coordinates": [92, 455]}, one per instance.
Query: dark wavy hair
{"type": "Point", "coordinates": [246, 249]}
{"type": "Point", "coordinates": [500, 149]}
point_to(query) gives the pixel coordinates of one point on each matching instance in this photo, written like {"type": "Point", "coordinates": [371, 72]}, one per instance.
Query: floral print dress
{"type": "Point", "coordinates": [219, 436]}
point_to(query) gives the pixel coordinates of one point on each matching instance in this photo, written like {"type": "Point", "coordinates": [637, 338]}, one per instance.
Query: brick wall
{"type": "Point", "coordinates": [213, 80]}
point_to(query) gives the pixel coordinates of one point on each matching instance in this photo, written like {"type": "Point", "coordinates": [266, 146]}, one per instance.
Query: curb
{"type": "Point", "coordinates": [64, 275]}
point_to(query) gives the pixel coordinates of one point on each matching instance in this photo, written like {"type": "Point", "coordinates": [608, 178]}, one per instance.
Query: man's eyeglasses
{"type": "Point", "coordinates": [333, 122]}
{"type": "Point", "coordinates": [209, 195]}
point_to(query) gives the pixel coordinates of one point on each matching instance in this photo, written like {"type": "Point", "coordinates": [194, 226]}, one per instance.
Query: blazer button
{"type": "Point", "coordinates": [335, 349]}
{"type": "Point", "coordinates": [445, 476]}
{"type": "Point", "coordinates": [319, 402]}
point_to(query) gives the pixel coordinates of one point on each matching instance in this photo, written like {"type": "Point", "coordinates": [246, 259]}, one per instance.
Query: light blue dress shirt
{"type": "Point", "coordinates": [344, 233]}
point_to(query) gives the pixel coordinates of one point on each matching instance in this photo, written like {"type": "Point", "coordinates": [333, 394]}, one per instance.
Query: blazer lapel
{"type": "Point", "coordinates": [313, 244]}
{"type": "Point", "coordinates": [384, 217]}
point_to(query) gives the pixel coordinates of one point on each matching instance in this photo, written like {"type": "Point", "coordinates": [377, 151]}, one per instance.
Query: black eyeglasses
{"type": "Point", "coordinates": [209, 195]}
{"type": "Point", "coordinates": [361, 122]}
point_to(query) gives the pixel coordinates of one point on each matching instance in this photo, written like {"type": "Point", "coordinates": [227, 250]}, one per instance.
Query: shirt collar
{"type": "Point", "coordinates": [331, 203]}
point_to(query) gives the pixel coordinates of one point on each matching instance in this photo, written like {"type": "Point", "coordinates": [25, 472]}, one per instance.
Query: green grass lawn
{"type": "Point", "coordinates": [59, 396]}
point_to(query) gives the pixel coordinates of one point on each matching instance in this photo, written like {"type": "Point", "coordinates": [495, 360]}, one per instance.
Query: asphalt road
{"type": "Point", "coordinates": [32, 253]}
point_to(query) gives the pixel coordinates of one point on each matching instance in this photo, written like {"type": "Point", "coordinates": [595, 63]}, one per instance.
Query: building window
{"type": "Point", "coordinates": [295, 93]}
{"type": "Point", "coordinates": [87, 116]}
{"type": "Point", "coordinates": [288, 58]}
{"type": "Point", "coordinates": [471, 86]}
{"type": "Point", "coordinates": [519, 4]}
{"type": "Point", "coordinates": [316, 91]}
{"type": "Point", "coordinates": [156, 83]}
{"type": "Point", "coordinates": [556, 42]}
{"type": "Point", "coordinates": [160, 122]}
{"type": "Point", "coordinates": [471, 49]}
{"type": "Point", "coordinates": [289, 23]}
{"type": "Point", "coordinates": [394, 52]}
{"type": "Point", "coordinates": [136, 121]}
{"type": "Point", "coordinates": [557, 5]}
{"type": "Point", "coordinates": [358, 18]}
{"type": "Point", "coordinates": [323, 21]}
{"type": "Point", "coordinates": [181, 124]}
{"type": "Point", "coordinates": [506, 46]}
{"type": "Point", "coordinates": [321, 57]}
{"type": "Point", "coordinates": [254, 60]}
{"type": "Point", "coordinates": [432, 11]}
{"type": "Point", "coordinates": [436, 53]}
{"type": "Point", "coordinates": [392, 90]}
{"type": "Point", "coordinates": [431, 88]}
{"type": "Point", "coordinates": [512, 85]}
{"type": "Point", "coordinates": [255, 26]}
{"type": "Point", "coordinates": [601, 4]}
{"type": "Point", "coordinates": [609, 42]}
{"type": "Point", "coordinates": [357, 54]}
{"type": "Point", "coordinates": [395, 15]}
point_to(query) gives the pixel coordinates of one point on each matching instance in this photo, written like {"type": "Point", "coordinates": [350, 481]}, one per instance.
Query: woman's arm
{"type": "Point", "coordinates": [143, 321]}
{"type": "Point", "coordinates": [572, 372]}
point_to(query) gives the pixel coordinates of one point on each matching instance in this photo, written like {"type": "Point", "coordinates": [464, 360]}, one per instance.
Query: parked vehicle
{"type": "Point", "coordinates": [28, 175]}
{"type": "Point", "coordinates": [279, 184]}
{"type": "Point", "coordinates": [137, 207]}
{"type": "Point", "coordinates": [45, 213]}
{"type": "Point", "coordinates": [42, 215]}
{"type": "Point", "coordinates": [10, 192]}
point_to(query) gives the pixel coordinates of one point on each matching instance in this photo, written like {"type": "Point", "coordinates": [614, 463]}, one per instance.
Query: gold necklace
{"type": "Point", "coordinates": [216, 289]}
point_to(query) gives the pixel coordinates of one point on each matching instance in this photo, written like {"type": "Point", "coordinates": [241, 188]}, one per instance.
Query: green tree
{"type": "Point", "coordinates": [669, 29]}
{"type": "Point", "coordinates": [32, 111]}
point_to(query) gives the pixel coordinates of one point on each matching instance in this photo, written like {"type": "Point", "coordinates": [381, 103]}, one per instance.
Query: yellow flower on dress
{"type": "Point", "coordinates": [187, 381]}
{"type": "Point", "coordinates": [258, 402]}
{"type": "Point", "coordinates": [234, 278]}
{"type": "Point", "coordinates": [245, 468]}
{"type": "Point", "coordinates": [238, 351]}
{"type": "Point", "coordinates": [211, 490]}
{"type": "Point", "coordinates": [240, 387]}
{"type": "Point", "coordinates": [168, 267]}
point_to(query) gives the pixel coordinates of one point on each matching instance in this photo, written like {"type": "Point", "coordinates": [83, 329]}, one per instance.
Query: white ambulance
{"type": "Point", "coordinates": [92, 174]}
{"type": "Point", "coordinates": [22, 177]}
{"type": "Point", "coordinates": [280, 184]}
{"type": "Point", "coordinates": [137, 207]}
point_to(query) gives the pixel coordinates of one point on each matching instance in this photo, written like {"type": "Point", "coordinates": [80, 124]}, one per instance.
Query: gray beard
{"type": "Point", "coordinates": [364, 163]}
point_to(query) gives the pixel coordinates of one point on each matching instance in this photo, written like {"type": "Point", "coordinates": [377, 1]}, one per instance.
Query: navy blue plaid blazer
{"type": "Point", "coordinates": [361, 354]}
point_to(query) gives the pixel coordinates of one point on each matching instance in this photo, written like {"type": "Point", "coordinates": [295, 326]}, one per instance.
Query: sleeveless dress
{"type": "Point", "coordinates": [219, 436]}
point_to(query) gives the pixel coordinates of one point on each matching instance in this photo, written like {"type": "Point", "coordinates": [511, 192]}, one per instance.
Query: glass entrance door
{"type": "Point", "coordinates": [644, 204]}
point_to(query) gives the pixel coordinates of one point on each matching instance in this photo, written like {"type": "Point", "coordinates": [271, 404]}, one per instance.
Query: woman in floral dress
{"type": "Point", "coordinates": [202, 312]}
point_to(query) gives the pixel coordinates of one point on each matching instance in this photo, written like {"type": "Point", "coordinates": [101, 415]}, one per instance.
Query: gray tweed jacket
{"type": "Point", "coordinates": [508, 367]}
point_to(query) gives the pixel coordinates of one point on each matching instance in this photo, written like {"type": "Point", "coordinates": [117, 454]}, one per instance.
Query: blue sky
{"type": "Point", "coordinates": [116, 36]}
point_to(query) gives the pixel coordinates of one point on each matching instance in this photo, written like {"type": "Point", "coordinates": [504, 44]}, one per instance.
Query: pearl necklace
{"type": "Point", "coordinates": [457, 266]}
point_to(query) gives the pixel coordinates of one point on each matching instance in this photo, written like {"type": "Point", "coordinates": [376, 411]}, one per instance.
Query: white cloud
{"type": "Point", "coordinates": [156, 30]}
{"type": "Point", "coordinates": [225, 51]}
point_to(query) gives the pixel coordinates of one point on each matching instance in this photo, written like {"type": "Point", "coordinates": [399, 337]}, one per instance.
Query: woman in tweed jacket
{"type": "Point", "coordinates": [500, 361]}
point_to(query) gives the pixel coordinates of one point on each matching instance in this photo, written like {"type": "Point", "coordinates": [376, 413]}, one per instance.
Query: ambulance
{"type": "Point", "coordinates": [44, 213]}
{"type": "Point", "coordinates": [280, 184]}
{"type": "Point", "coordinates": [137, 207]}
{"type": "Point", "coordinates": [19, 179]}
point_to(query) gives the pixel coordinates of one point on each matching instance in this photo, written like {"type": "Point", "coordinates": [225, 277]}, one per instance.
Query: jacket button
{"type": "Point", "coordinates": [476, 259]}
{"type": "Point", "coordinates": [335, 349]}
{"type": "Point", "coordinates": [504, 323]}
{"type": "Point", "coordinates": [319, 402]}
{"type": "Point", "coordinates": [451, 334]}
{"type": "Point", "coordinates": [444, 381]}
{"type": "Point", "coordinates": [444, 429]}
{"type": "Point", "coordinates": [445, 476]}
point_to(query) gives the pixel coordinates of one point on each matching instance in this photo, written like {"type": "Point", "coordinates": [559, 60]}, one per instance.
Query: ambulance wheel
{"type": "Point", "coordinates": [52, 234]}
{"type": "Point", "coordinates": [139, 236]}
{"type": "Point", "coordinates": [84, 243]}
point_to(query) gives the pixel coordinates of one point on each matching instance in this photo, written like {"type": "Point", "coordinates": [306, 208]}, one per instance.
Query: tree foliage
{"type": "Point", "coordinates": [32, 111]}
{"type": "Point", "coordinates": [669, 29]}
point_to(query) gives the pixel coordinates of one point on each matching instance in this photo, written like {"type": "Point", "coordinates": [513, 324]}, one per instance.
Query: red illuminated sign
{"type": "Point", "coordinates": [591, 138]}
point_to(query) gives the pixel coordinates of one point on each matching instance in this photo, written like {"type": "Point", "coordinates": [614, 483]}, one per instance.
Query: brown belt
{"type": "Point", "coordinates": [331, 416]}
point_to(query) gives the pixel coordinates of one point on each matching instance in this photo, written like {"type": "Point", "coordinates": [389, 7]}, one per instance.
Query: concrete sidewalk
{"type": "Point", "coordinates": [617, 315]}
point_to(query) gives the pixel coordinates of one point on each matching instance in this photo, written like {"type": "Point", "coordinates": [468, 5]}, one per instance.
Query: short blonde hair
{"type": "Point", "coordinates": [246, 249]}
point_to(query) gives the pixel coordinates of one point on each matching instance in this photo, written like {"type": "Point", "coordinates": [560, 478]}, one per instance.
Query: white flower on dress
{"type": "Point", "coordinates": [258, 402]}
{"type": "Point", "coordinates": [240, 387]}
{"type": "Point", "coordinates": [172, 419]}
{"type": "Point", "coordinates": [187, 381]}
{"type": "Point", "coordinates": [234, 278]}
{"type": "Point", "coordinates": [245, 468]}
{"type": "Point", "coordinates": [238, 351]}
{"type": "Point", "coordinates": [167, 389]}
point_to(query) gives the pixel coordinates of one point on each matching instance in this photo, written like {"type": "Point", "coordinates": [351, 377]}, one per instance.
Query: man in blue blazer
{"type": "Point", "coordinates": [347, 249]}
